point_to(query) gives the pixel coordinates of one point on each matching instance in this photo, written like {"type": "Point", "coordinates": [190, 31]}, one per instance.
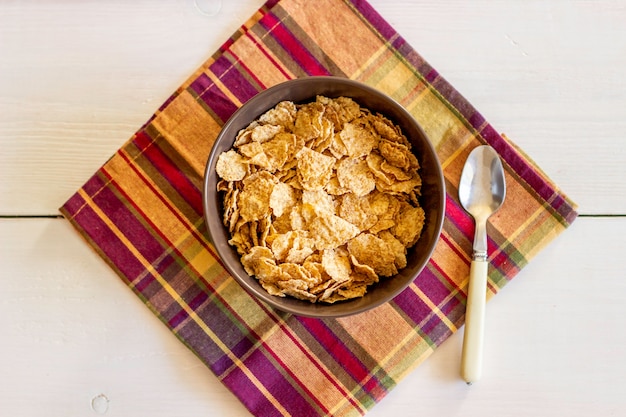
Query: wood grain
{"type": "Point", "coordinates": [78, 78]}
{"type": "Point", "coordinates": [76, 81]}
{"type": "Point", "coordinates": [73, 331]}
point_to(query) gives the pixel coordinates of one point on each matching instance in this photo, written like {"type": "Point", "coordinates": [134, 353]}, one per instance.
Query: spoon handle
{"type": "Point", "coordinates": [471, 360]}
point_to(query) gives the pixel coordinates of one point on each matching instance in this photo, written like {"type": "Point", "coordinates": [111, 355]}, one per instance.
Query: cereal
{"type": "Point", "coordinates": [397, 248]}
{"type": "Point", "coordinates": [358, 139]}
{"type": "Point", "coordinates": [254, 198]}
{"type": "Point", "coordinates": [282, 199]}
{"type": "Point", "coordinates": [337, 264]}
{"type": "Point", "coordinates": [354, 175]}
{"type": "Point", "coordinates": [231, 167]}
{"type": "Point", "coordinates": [314, 168]}
{"type": "Point", "coordinates": [284, 114]}
{"type": "Point", "coordinates": [357, 211]}
{"type": "Point", "coordinates": [293, 247]}
{"type": "Point", "coordinates": [371, 250]}
{"type": "Point", "coordinates": [409, 225]}
{"type": "Point", "coordinates": [321, 199]}
{"type": "Point", "coordinates": [277, 151]}
{"type": "Point", "coordinates": [255, 155]}
{"type": "Point", "coordinates": [330, 231]}
{"type": "Point", "coordinates": [263, 133]}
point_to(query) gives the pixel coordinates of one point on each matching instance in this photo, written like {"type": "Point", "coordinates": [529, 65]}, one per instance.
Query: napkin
{"type": "Point", "coordinates": [142, 212]}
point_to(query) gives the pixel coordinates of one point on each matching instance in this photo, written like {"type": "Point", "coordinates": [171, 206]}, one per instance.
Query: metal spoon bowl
{"type": "Point", "coordinates": [481, 192]}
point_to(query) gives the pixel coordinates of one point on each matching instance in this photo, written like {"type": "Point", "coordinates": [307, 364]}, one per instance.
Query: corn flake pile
{"type": "Point", "coordinates": [321, 199]}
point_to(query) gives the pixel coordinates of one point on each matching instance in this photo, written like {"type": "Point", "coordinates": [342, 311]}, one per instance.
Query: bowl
{"type": "Point", "coordinates": [432, 200]}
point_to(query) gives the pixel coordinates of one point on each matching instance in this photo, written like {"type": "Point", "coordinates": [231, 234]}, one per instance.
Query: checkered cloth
{"type": "Point", "coordinates": [142, 212]}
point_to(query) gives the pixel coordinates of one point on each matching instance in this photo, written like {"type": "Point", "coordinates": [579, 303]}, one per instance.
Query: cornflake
{"type": "Point", "coordinates": [321, 199]}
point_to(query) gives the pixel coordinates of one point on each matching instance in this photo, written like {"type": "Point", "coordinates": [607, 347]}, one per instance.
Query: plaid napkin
{"type": "Point", "coordinates": [142, 212]}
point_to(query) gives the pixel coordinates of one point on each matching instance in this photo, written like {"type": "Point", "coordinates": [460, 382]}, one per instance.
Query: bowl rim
{"type": "Point", "coordinates": [272, 96]}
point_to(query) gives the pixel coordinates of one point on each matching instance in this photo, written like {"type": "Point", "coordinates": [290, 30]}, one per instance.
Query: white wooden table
{"type": "Point", "coordinates": [75, 342]}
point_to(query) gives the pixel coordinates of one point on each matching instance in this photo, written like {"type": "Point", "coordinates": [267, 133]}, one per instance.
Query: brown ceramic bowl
{"type": "Point", "coordinates": [432, 200]}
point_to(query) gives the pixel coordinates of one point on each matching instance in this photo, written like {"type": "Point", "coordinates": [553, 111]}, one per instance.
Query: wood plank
{"type": "Point", "coordinates": [76, 80]}
{"type": "Point", "coordinates": [79, 79]}
{"type": "Point", "coordinates": [72, 331]}
{"type": "Point", "coordinates": [549, 74]}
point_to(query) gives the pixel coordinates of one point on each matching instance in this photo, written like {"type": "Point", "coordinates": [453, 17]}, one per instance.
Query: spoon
{"type": "Point", "coordinates": [481, 192]}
